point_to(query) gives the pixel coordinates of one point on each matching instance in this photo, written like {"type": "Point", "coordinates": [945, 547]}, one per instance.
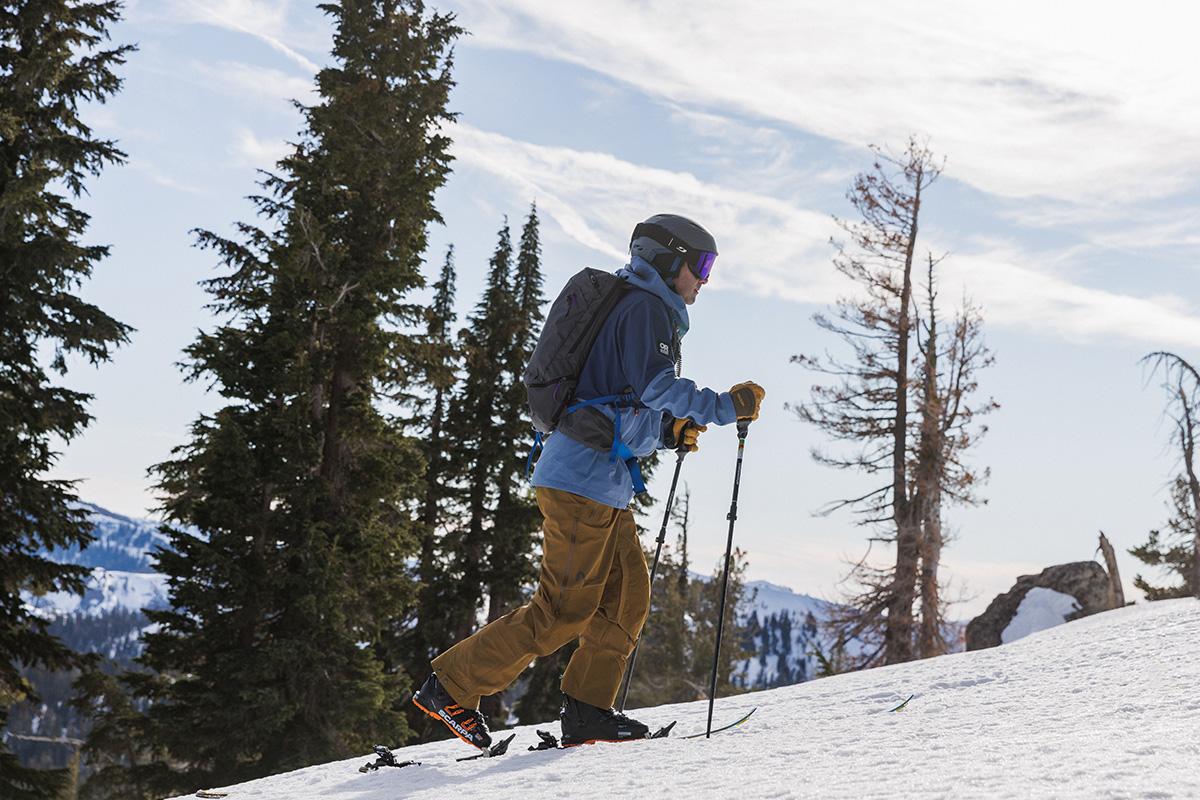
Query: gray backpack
{"type": "Point", "coordinates": [552, 375]}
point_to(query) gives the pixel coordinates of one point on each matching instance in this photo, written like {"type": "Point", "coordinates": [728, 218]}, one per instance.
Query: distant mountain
{"type": "Point", "coordinates": [784, 627]}
{"type": "Point", "coordinates": [122, 544]}
{"type": "Point", "coordinates": [107, 619]}
{"type": "Point", "coordinates": [123, 576]}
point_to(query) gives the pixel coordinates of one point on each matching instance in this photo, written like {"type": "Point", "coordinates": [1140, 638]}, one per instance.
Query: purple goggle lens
{"type": "Point", "coordinates": [705, 266]}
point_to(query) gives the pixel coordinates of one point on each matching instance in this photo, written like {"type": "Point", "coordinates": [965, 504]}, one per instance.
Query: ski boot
{"type": "Point", "coordinates": [585, 724]}
{"type": "Point", "coordinates": [467, 724]}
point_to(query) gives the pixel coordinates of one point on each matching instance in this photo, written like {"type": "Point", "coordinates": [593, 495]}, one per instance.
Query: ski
{"type": "Point", "coordinates": [733, 724]}
{"type": "Point", "coordinates": [549, 742]}
{"type": "Point", "coordinates": [902, 705]}
{"type": "Point", "coordinates": [386, 758]}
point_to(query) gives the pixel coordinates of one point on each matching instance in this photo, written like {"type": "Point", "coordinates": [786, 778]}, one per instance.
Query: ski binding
{"type": "Point", "coordinates": [386, 759]}
{"type": "Point", "coordinates": [498, 749]}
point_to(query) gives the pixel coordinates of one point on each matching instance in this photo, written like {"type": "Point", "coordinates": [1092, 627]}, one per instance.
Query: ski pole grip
{"type": "Point", "coordinates": [743, 427]}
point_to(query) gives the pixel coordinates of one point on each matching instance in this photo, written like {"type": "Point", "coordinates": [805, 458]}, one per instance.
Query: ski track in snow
{"type": "Point", "coordinates": [1106, 706]}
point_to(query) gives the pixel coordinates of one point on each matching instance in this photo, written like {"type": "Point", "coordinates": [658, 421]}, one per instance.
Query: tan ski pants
{"type": "Point", "coordinates": [594, 584]}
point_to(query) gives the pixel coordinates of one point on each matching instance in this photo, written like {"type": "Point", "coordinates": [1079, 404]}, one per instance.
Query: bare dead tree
{"type": "Point", "coordinates": [869, 403]}
{"type": "Point", "coordinates": [906, 422]}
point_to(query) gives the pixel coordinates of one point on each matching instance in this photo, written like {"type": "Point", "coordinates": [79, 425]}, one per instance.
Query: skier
{"type": "Point", "coordinates": [594, 583]}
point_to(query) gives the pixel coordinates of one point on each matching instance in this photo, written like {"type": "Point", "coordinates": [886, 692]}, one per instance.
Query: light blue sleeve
{"type": "Point", "coordinates": [681, 397]}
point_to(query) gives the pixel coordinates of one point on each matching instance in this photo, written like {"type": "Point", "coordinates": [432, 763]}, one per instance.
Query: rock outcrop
{"type": "Point", "coordinates": [1086, 581]}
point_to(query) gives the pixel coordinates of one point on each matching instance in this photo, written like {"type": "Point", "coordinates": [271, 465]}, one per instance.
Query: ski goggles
{"type": "Point", "coordinates": [702, 259]}
{"type": "Point", "coordinates": [702, 269]}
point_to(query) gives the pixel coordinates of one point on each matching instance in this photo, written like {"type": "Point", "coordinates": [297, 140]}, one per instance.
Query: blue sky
{"type": "Point", "coordinates": [1069, 209]}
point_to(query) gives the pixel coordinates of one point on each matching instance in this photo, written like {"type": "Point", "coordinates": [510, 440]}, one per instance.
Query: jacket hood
{"type": "Point", "coordinates": [643, 275]}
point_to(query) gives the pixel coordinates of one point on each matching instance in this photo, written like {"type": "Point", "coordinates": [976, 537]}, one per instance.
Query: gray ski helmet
{"type": "Point", "coordinates": [668, 241]}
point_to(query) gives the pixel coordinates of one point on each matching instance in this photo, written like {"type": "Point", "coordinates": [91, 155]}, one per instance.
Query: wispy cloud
{"type": "Point", "coordinates": [772, 247]}
{"type": "Point", "coordinates": [251, 82]}
{"type": "Point", "coordinates": [1019, 289]}
{"type": "Point", "coordinates": [595, 198]}
{"type": "Point", "coordinates": [258, 153]}
{"type": "Point", "coordinates": [161, 177]}
{"type": "Point", "coordinates": [1032, 100]}
{"type": "Point", "coordinates": [270, 21]}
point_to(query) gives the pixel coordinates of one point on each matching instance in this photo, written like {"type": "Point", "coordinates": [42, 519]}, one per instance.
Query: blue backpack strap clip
{"type": "Point", "coordinates": [621, 450]}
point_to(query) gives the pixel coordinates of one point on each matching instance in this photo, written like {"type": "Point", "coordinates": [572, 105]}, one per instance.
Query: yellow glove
{"type": "Point", "coordinates": [683, 435]}
{"type": "Point", "coordinates": [747, 398]}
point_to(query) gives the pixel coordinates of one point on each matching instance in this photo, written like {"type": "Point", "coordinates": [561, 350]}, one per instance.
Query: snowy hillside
{"type": "Point", "coordinates": [1106, 706]}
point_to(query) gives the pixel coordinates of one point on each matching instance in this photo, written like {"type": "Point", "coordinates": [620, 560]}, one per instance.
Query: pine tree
{"type": "Point", "coordinates": [495, 547]}
{"type": "Point", "coordinates": [704, 610]}
{"type": "Point", "coordinates": [1179, 549]}
{"type": "Point", "coordinates": [51, 61]}
{"type": "Point", "coordinates": [513, 558]}
{"type": "Point", "coordinates": [477, 449]}
{"type": "Point", "coordinates": [1172, 549]}
{"type": "Point", "coordinates": [663, 667]}
{"type": "Point", "coordinates": [675, 654]}
{"type": "Point", "coordinates": [423, 633]}
{"type": "Point", "coordinates": [440, 375]}
{"type": "Point", "coordinates": [294, 503]}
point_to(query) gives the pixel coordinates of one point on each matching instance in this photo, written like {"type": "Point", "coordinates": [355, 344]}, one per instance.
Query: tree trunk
{"type": "Point", "coordinates": [899, 637]}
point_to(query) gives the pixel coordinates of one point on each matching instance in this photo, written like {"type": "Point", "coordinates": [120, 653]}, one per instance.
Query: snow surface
{"type": "Point", "coordinates": [1041, 608]}
{"type": "Point", "coordinates": [1106, 706]}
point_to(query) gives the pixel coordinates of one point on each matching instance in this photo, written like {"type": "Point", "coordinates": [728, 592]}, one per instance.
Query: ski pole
{"type": "Point", "coordinates": [743, 427]}
{"type": "Point", "coordinates": [662, 535]}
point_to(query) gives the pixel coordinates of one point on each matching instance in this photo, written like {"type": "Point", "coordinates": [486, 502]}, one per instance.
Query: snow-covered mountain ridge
{"type": "Point", "coordinates": [122, 543]}
{"type": "Point", "coordinates": [1105, 706]}
{"type": "Point", "coordinates": [123, 576]}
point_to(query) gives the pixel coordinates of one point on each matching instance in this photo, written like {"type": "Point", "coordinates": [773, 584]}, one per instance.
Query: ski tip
{"type": "Point", "coordinates": [902, 705]}
{"type": "Point", "coordinates": [734, 724]}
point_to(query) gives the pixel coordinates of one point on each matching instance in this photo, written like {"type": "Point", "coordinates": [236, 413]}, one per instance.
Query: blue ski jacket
{"type": "Point", "coordinates": [637, 350]}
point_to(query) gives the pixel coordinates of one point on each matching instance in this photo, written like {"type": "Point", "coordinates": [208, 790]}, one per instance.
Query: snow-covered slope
{"type": "Point", "coordinates": [1106, 706]}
